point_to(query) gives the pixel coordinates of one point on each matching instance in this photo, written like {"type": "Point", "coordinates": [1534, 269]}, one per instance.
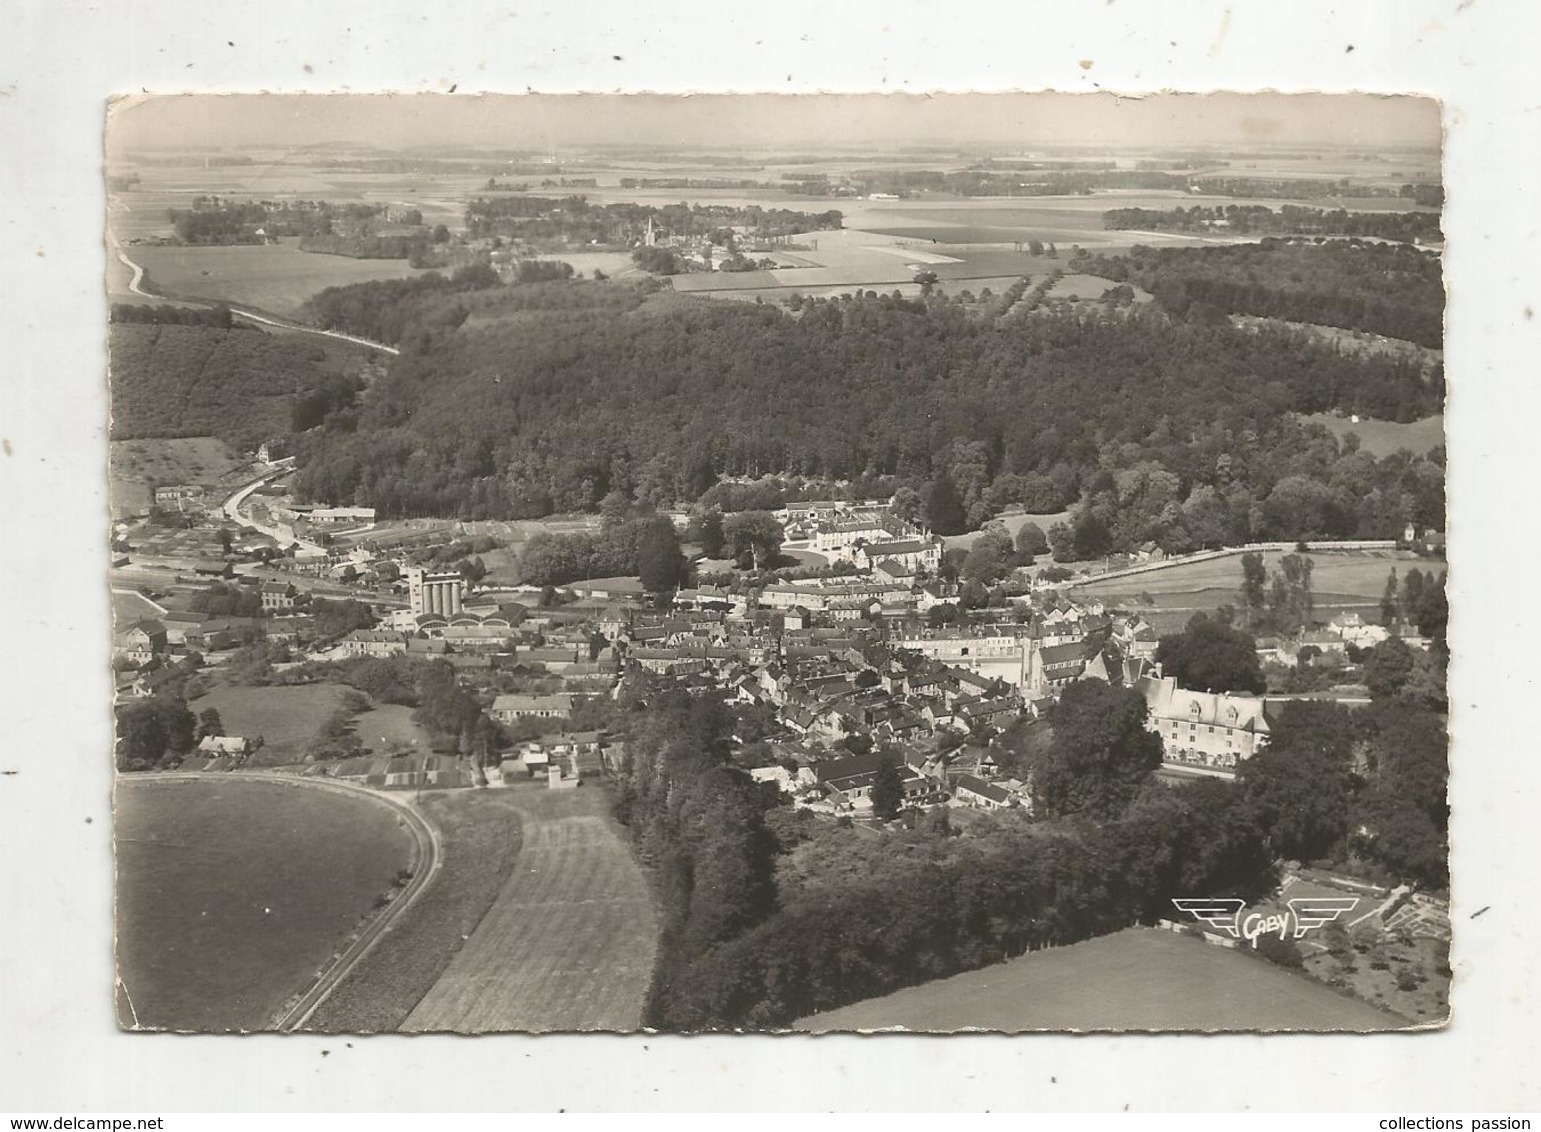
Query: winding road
{"type": "Point", "coordinates": [135, 286]}
{"type": "Point", "coordinates": [279, 534]}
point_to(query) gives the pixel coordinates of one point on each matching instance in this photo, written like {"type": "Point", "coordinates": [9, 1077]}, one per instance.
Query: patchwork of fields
{"type": "Point", "coordinates": [569, 942]}
{"type": "Point", "coordinates": [1138, 979]}
{"type": "Point", "coordinates": [233, 892]}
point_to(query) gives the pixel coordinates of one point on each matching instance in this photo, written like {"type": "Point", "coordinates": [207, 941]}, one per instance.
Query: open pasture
{"type": "Point", "coordinates": [1344, 574]}
{"type": "Point", "coordinates": [287, 718]}
{"type": "Point", "coordinates": [276, 278]}
{"type": "Point", "coordinates": [569, 942]}
{"type": "Point", "coordinates": [1382, 438]}
{"type": "Point", "coordinates": [1138, 979]}
{"type": "Point", "coordinates": [233, 892]}
{"type": "Point", "coordinates": [389, 727]}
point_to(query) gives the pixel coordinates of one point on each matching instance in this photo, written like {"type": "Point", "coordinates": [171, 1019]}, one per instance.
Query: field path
{"type": "Point", "coordinates": [135, 287]}
{"type": "Point", "coordinates": [569, 942]}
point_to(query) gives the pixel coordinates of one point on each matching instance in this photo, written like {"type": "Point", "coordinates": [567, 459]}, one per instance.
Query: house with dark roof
{"type": "Point", "coordinates": [848, 781]}
{"type": "Point", "coordinates": [1054, 666]}
{"type": "Point", "coordinates": [144, 640]}
{"type": "Point", "coordinates": [979, 794]}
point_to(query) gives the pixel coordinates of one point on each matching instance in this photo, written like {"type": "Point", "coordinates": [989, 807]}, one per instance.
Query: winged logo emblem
{"type": "Point", "coordinates": [1311, 912]}
{"type": "Point", "coordinates": [1220, 912]}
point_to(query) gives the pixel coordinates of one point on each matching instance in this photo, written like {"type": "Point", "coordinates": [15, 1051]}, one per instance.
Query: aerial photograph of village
{"type": "Point", "coordinates": [778, 563]}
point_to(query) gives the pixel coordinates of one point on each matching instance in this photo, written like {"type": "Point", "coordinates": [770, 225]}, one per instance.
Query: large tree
{"type": "Point", "coordinates": [887, 792]}
{"type": "Point", "coordinates": [660, 565]}
{"type": "Point", "coordinates": [1301, 784]}
{"type": "Point", "coordinates": [753, 537]}
{"type": "Point", "coordinates": [1103, 753]}
{"type": "Point", "coordinates": [944, 507]}
{"type": "Point", "coordinates": [1211, 656]}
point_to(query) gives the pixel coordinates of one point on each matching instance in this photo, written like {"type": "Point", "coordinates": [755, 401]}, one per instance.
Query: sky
{"type": "Point", "coordinates": [755, 122]}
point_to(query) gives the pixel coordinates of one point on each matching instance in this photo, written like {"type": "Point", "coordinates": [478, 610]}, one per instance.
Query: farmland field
{"type": "Point", "coordinates": [287, 718]}
{"type": "Point", "coordinates": [276, 278]}
{"type": "Point", "coordinates": [569, 942]}
{"type": "Point", "coordinates": [1343, 574]}
{"type": "Point", "coordinates": [232, 893]}
{"type": "Point", "coordinates": [1382, 438]}
{"type": "Point", "coordinates": [1138, 979]}
{"type": "Point", "coordinates": [479, 847]}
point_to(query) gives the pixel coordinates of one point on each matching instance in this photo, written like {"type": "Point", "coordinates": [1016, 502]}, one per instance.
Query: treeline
{"type": "Point", "coordinates": [215, 220]}
{"type": "Point", "coordinates": [1290, 220]}
{"type": "Point", "coordinates": [645, 545]}
{"type": "Point", "coordinates": [1026, 182]}
{"type": "Point", "coordinates": [576, 220]}
{"type": "Point", "coordinates": [554, 413]}
{"type": "Point", "coordinates": [383, 309]}
{"type": "Point", "coordinates": [1385, 289]}
{"type": "Point", "coordinates": [1294, 188]}
{"type": "Point", "coordinates": [164, 314]}
{"type": "Point", "coordinates": [367, 247]}
{"type": "Point", "coordinates": [240, 385]}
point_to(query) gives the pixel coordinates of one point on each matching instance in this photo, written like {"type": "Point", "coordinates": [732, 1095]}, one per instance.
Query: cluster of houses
{"type": "Point", "coordinates": [849, 666]}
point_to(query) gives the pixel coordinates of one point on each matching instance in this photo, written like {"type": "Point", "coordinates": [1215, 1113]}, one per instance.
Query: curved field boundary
{"type": "Point", "coordinates": [425, 869]}
{"type": "Point", "coordinates": [136, 286]}
{"type": "Point", "coordinates": [569, 943]}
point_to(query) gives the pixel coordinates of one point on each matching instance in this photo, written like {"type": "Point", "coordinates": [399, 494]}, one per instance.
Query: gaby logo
{"type": "Point", "coordinates": [1305, 914]}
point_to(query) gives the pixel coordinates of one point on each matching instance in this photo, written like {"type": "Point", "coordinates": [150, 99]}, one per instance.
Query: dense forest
{"type": "Point", "coordinates": [241, 385]}
{"type": "Point", "coordinates": [1290, 220]}
{"type": "Point", "coordinates": [1386, 289]}
{"type": "Point", "coordinates": [516, 402]}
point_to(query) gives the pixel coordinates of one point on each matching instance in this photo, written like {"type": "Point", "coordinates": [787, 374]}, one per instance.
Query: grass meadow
{"type": "Point", "coordinates": [276, 278]}
{"type": "Point", "coordinates": [1138, 979]}
{"type": "Point", "coordinates": [1382, 438]}
{"type": "Point", "coordinates": [233, 893]}
{"type": "Point", "coordinates": [569, 942]}
{"type": "Point", "coordinates": [287, 718]}
{"type": "Point", "coordinates": [1345, 574]}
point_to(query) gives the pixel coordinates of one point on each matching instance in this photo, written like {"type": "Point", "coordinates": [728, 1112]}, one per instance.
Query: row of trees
{"type": "Point", "coordinates": [646, 547]}
{"type": "Point", "coordinates": [1289, 219]}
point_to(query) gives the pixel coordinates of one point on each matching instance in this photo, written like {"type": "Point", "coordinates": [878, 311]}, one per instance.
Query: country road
{"type": "Point", "coordinates": [250, 316]}
{"type": "Point", "coordinates": [425, 869]}
{"type": "Point", "coordinates": [282, 535]}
